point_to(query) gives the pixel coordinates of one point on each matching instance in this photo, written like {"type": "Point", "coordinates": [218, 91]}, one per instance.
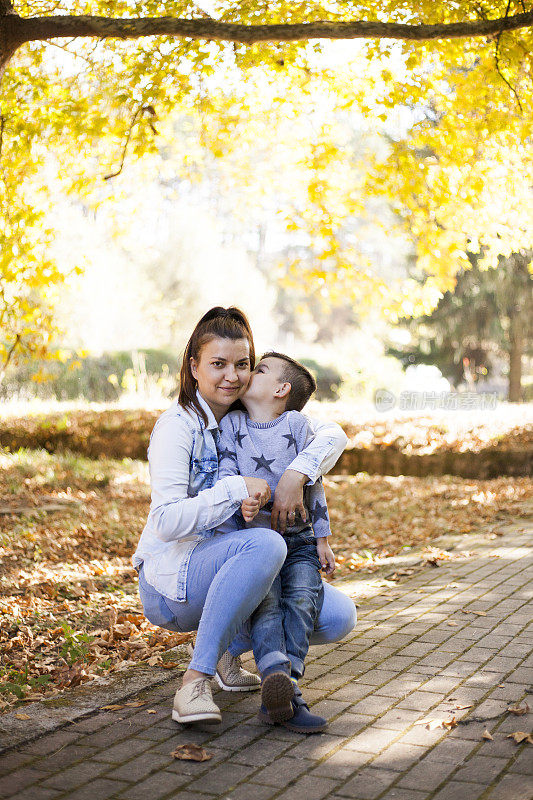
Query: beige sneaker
{"type": "Point", "coordinates": [231, 676]}
{"type": "Point", "coordinates": [194, 703]}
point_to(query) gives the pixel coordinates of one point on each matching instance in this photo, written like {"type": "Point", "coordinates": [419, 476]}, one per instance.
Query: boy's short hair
{"type": "Point", "coordinates": [302, 382]}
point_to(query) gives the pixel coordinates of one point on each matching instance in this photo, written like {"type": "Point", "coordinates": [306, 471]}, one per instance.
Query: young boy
{"type": "Point", "coordinates": [263, 442]}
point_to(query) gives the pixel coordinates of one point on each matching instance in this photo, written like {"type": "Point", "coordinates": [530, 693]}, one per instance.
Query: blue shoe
{"type": "Point", "coordinates": [277, 692]}
{"type": "Point", "coordinates": [302, 720]}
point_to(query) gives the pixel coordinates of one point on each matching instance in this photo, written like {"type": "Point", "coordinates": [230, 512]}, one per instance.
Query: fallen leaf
{"type": "Point", "coordinates": [520, 736]}
{"type": "Point", "coordinates": [112, 707]}
{"type": "Point", "coordinates": [449, 723]}
{"type": "Point", "coordinates": [486, 735]}
{"type": "Point", "coordinates": [191, 752]}
{"type": "Point", "coordinates": [22, 716]}
{"type": "Point", "coordinates": [478, 613]}
{"type": "Point", "coordinates": [519, 710]}
{"type": "Point", "coordinates": [461, 708]}
{"type": "Point", "coordinates": [151, 711]}
{"type": "Point", "coordinates": [135, 703]}
{"type": "Point", "coordinates": [430, 724]}
{"type": "Point", "coordinates": [452, 624]}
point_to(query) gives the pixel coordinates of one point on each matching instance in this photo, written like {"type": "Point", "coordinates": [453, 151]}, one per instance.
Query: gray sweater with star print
{"type": "Point", "coordinates": [265, 450]}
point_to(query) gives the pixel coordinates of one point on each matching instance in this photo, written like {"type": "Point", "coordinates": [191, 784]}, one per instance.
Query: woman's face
{"type": "Point", "coordinates": [222, 372]}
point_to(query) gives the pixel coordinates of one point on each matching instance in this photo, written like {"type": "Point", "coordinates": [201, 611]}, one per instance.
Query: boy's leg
{"type": "Point", "coordinates": [336, 619]}
{"type": "Point", "coordinates": [266, 631]}
{"type": "Point", "coordinates": [301, 597]}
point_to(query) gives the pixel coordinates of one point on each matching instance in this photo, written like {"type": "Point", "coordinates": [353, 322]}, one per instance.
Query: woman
{"type": "Point", "coordinates": [189, 577]}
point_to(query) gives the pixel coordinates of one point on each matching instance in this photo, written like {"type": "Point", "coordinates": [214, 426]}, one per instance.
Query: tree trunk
{"type": "Point", "coordinates": [516, 346]}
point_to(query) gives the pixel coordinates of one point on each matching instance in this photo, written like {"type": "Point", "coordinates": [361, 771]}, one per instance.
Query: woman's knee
{"type": "Point", "coordinates": [337, 617]}
{"type": "Point", "coordinates": [271, 547]}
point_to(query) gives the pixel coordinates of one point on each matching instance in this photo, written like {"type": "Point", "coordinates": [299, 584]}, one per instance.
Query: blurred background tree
{"type": "Point", "coordinates": [310, 171]}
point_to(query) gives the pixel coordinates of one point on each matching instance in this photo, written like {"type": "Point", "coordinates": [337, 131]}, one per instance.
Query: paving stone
{"type": "Point", "coordinates": [221, 779]}
{"type": "Point", "coordinates": [397, 719]}
{"type": "Point", "coordinates": [481, 769]}
{"type": "Point", "coordinates": [404, 794]}
{"type": "Point", "coordinates": [284, 770]}
{"type": "Point", "coordinates": [246, 791]}
{"type": "Point", "coordinates": [310, 787]}
{"type": "Point", "coordinates": [139, 767]}
{"type": "Point", "coordinates": [368, 784]}
{"type": "Point", "coordinates": [155, 786]}
{"type": "Point", "coordinates": [524, 762]}
{"type": "Point", "coordinates": [123, 750]}
{"type": "Point", "coordinates": [426, 775]}
{"type": "Point", "coordinates": [51, 742]}
{"type": "Point", "coordinates": [35, 793]}
{"type": "Point", "coordinates": [65, 756]}
{"type": "Point", "coordinates": [348, 724]}
{"type": "Point", "coordinates": [260, 753]}
{"type": "Point", "coordinates": [512, 787]}
{"type": "Point", "coordinates": [12, 760]}
{"type": "Point", "coordinates": [19, 779]}
{"type": "Point", "coordinates": [420, 701]}
{"type": "Point", "coordinates": [372, 740]}
{"type": "Point", "coordinates": [399, 756]}
{"type": "Point", "coordinates": [342, 764]}
{"type": "Point", "coordinates": [76, 775]}
{"type": "Point", "coordinates": [99, 789]}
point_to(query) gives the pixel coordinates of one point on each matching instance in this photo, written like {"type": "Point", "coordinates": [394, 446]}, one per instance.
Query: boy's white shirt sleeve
{"type": "Point", "coordinates": [322, 452]}
{"type": "Point", "coordinates": [173, 514]}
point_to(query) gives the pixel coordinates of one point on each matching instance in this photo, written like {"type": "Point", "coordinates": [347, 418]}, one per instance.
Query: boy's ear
{"type": "Point", "coordinates": [283, 390]}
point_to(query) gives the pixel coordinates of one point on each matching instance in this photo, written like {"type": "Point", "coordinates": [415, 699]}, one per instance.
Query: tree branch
{"type": "Point", "coordinates": [37, 28]}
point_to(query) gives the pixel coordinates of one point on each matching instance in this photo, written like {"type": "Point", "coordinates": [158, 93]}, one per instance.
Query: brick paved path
{"type": "Point", "coordinates": [418, 652]}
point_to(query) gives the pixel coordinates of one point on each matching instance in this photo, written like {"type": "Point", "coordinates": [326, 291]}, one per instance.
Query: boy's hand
{"type": "Point", "coordinates": [326, 555]}
{"type": "Point", "coordinates": [250, 507]}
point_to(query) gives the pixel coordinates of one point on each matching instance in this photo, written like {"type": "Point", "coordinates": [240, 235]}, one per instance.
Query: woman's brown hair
{"type": "Point", "coordinates": [218, 322]}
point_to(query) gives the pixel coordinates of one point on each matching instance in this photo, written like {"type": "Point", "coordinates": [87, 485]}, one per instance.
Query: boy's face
{"type": "Point", "coordinates": [264, 381]}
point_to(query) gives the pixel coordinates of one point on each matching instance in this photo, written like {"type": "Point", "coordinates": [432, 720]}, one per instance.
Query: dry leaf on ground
{"type": "Point", "coordinates": [520, 736]}
{"type": "Point", "coordinates": [191, 752]}
{"type": "Point", "coordinates": [486, 735]}
{"type": "Point", "coordinates": [22, 716]}
{"type": "Point", "coordinates": [519, 710]}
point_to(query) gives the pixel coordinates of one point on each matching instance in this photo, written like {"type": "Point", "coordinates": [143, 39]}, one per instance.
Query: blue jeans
{"type": "Point", "coordinates": [282, 624]}
{"type": "Point", "coordinates": [228, 576]}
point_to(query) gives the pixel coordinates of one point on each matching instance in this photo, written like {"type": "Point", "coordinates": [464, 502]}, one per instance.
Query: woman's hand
{"type": "Point", "coordinates": [326, 555]}
{"type": "Point", "coordinates": [288, 499]}
{"type": "Point", "coordinates": [250, 507]}
{"type": "Point", "coordinates": [258, 489]}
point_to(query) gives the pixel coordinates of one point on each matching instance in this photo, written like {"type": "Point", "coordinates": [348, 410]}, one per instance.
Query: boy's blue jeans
{"type": "Point", "coordinates": [282, 624]}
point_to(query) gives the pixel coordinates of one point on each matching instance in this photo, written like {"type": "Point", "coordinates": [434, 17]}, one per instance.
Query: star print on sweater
{"type": "Point", "coordinates": [290, 440]}
{"type": "Point", "coordinates": [225, 454]}
{"type": "Point", "coordinates": [239, 437]}
{"type": "Point", "coordinates": [263, 462]}
{"type": "Point", "coordinates": [320, 512]}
